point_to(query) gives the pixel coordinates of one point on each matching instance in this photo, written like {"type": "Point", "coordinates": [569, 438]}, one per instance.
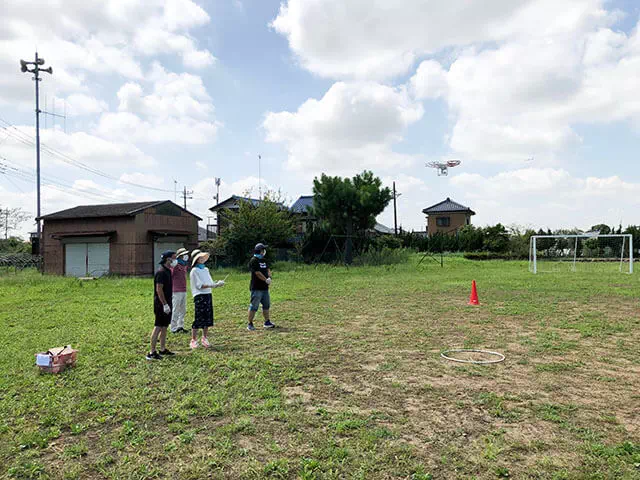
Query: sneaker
{"type": "Point", "coordinates": [205, 342]}
{"type": "Point", "coordinates": [166, 353]}
{"type": "Point", "coordinates": [250, 327]}
{"type": "Point", "coordinates": [268, 324]}
{"type": "Point", "coordinates": [182, 330]}
{"type": "Point", "coordinates": [153, 356]}
{"type": "Point", "coordinates": [176, 331]}
{"type": "Point", "coordinates": [193, 344]}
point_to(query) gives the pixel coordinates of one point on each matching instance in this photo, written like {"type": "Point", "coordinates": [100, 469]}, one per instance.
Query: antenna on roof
{"type": "Point", "coordinates": [259, 177]}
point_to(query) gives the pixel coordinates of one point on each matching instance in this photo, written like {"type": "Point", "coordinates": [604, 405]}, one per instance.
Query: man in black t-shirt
{"type": "Point", "coordinates": [162, 295]}
{"type": "Point", "coordinates": [259, 286]}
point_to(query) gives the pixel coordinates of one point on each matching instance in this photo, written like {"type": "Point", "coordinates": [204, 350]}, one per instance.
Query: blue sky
{"type": "Point", "coordinates": [192, 90]}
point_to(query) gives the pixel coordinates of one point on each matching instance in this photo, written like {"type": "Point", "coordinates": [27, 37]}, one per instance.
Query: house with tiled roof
{"type": "Point", "coordinates": [231, 204]}
{"type": "Point", "coordinates": [447, 217]}
{"type": "Point", "coordinates": [306, 221]}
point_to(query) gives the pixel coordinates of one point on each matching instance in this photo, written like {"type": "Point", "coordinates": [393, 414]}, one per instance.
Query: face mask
{"type": "Point", "coordinates": [174, 263]}
{"type": "Point", "coordinates": [185, 257]}
{"type": "Point", "coordinates": [259, 255]}
{"type": "Point", "coordinates": [200, 265]}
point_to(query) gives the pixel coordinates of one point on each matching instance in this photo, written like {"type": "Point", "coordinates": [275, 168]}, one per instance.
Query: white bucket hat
{"type": "Point", "coordinates": [181, 252]}
{"type": "Point", "coordinates": [198, 256]}
{"type": "Point", "coordinates": [194, 253]}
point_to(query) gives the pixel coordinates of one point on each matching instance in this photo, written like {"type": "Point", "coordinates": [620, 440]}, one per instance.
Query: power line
{"type": "Point", "coordinates": [24, 138]}
{"type": "Point", "coordinates": [51, 181]}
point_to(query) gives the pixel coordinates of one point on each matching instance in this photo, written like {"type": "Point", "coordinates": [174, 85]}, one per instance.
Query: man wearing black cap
{"type": "Point", "coordinates": [162, 294]}
{"type": "Point", "coordinates": [259, 287]}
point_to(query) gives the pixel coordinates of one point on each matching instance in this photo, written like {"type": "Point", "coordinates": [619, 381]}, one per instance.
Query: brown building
{"type": "Point", "coordinates": [447, 217]}
{"type": "Point", "coordinates": [121, 239]}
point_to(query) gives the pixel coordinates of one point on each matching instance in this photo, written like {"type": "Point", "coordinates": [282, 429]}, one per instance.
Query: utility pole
{"type": "Point", "coordinates": [218, 180]}
{"type": "Point", "coordinates": [6, 223]}
{"type": "Point", "coordinates": [395, 210]}
{"type": "Point", "coordinates": [37, 64]}
{"type": "Point", "coordinates": [186, 195]}
{"type": "Point", "coordinates": [175, 190]}
{"type": "Point", "coordinates": [217, 197]}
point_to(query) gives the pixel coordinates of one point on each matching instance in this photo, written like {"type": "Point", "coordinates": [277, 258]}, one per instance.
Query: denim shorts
{"type": "Point", "coordinates": [260, 297]}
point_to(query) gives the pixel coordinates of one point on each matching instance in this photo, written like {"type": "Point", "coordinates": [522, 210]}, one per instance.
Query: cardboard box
{"type": "Point", "coordinates": [57, 359]}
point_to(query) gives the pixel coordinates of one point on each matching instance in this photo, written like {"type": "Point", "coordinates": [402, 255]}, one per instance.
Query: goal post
{"type": "Point", "coordinates": [581, 252]}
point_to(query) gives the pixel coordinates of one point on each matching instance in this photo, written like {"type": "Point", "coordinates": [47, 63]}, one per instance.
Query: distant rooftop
{"type": "Point", "coordinates": [448, 206]}
{"type": "Point", "coordinates": [105, 210]}
{"type": "Point", "coordinates": [303, 204]}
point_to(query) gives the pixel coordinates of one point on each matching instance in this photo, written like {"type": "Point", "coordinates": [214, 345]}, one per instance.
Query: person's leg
{"type": "Point", "coordinates": [181, 308]}
{"type": "Point", "coordinates": [266, 308]}
{"type": "Point", "coordinates": [154, 338]}
{"type": "Point", "coordinates": [174, 314]}
{"type": "Point", "coordinates": [253, 307]}
{"type": "Point", "coordinates": [163, 339]}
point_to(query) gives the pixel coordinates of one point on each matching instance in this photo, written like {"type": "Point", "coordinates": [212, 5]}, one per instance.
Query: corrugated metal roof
{"type": "Point", "coordinates": [447, 206]}
{"type": "Point", "coordinates": [303, 204]}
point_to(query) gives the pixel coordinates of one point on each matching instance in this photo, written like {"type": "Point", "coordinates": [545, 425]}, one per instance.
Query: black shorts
{"type": "Point", "coordinates": [162, 319]}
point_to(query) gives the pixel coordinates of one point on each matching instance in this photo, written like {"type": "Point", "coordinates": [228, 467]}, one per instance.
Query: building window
{"type": "Point", "coordinates": [468, 220]}
{"type": "Point", "coordinates": [443, 221]}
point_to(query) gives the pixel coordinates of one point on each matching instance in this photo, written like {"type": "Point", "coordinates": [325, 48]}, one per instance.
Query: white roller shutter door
{"type": "Point", "coordinates": [86, 259]}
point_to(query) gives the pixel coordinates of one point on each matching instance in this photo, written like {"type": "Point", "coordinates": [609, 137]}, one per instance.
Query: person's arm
{"type": "Point", "coordinates": [260, 276]}
{"type": "Point", "coordinates": [269, 272]}
{"type": "Point", "coordinates": [160, 293]}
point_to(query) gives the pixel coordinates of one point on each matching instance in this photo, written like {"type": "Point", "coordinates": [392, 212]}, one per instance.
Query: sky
{"type": "Point", "coordinates": [538, 99]}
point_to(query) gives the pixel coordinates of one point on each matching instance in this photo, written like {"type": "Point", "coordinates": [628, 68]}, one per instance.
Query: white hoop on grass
{"type": "Point", "coordinates": [500, 356]}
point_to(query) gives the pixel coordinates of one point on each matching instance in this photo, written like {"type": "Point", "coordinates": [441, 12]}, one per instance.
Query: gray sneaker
{"type": "Point", "coordinates": [250, 327]}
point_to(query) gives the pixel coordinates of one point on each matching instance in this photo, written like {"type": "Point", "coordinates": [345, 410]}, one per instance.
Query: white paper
{"type": "Point", "coordinates": [43, 360]}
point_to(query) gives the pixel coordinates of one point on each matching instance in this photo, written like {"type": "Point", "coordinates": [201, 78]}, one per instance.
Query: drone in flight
{"type": "Point", "coordinates": [443, 168]}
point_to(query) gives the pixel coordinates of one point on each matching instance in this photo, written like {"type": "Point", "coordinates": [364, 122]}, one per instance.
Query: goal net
{"type": "Point", "coordinates": [584, 252]}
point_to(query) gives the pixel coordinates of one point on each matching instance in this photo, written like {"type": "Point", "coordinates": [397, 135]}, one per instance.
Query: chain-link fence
{"type": "Point", "coordinates": [15, 262]}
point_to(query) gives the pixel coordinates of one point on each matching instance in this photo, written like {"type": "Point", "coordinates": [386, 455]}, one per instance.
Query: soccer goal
{"type": "Point", "coordinates": [583, 252]}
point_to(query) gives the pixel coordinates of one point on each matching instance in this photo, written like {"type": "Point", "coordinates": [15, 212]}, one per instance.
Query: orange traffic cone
{"type": "Point", "coordinates": [473, 299]}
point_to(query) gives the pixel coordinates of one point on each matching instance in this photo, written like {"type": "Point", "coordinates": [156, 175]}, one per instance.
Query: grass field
{"type": "Point", "coordinates": [351, 386]}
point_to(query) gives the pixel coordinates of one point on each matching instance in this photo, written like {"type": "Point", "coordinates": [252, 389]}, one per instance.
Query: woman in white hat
{"type": "Point", "coordinates": [201, 285]}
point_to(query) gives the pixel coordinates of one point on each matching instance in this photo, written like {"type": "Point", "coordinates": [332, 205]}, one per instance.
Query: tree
{"type": "Point", "coordinates": [14, 245]}
{"type": "Point", "coordinates": [349, 205]}
{"type": "Point", "coordinates": [11, 219]}
{"type": "Point", "coordinates": [602, 228]}
{"type": "Point", "coordinates": [496, 238]}
{"type": "Point", "coordinates": [267, 221]}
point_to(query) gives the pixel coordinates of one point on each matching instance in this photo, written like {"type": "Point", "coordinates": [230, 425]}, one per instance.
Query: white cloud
{"type": "Point", "coordinates": [378, 38]}
{"type": "Point", "coordinates": [146, 179]}
{"type": "Point", "coordinates": [352, 127]}
{"type": "Point", "coordinates": [202, 166]}
{"type": "Point", "coordinates": [524, 97]}
{"type": "Point", "coordinates": [549, 198]}
{"type": "Point", "coordinates": [177, 110]}
{"type": "Point", "coordinates": [89, 149]}
{"type": "Point", "coordinates": [405, 183]}
{"type": "Point", "coordinates": [82, 38]}
{"type": "Point", "coordinates": [79, 104]}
